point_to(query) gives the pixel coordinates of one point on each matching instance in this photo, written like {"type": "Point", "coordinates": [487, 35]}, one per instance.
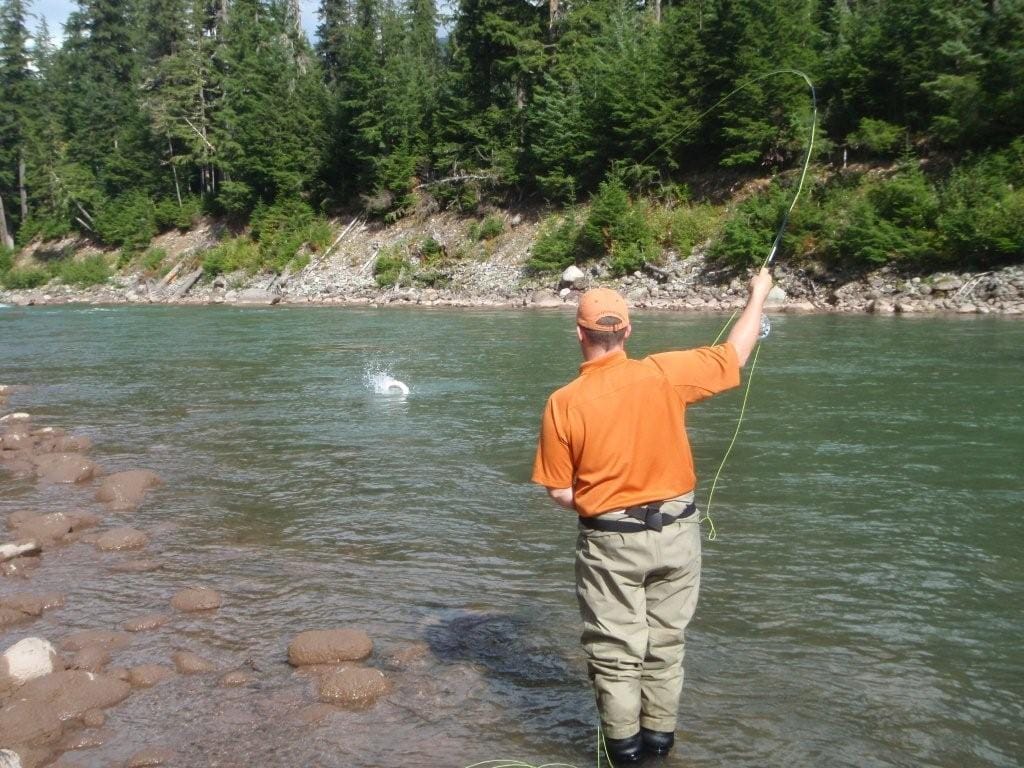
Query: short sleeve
{"type": "Point", "coordinates": [700, 373]}
{"type": "Point", "coordinates": [552, 466]}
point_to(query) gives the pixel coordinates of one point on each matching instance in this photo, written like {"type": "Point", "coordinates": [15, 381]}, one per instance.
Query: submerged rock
{"type": "Point", "coordinates": [328, 646]}
{"type": "Point", "coordinates": [196, 599]}
{"type": "Point", "coordinates": [117, 539]}
{"type": "Point", "coordinates": [125, 490]}
{"type": "Point", "coordinates": [33, 605]}
{"type": "Point", "coordinates": [357, 688]}
{"type": "Point", "coordinates": [148, 675]}
{"type": "Point", "coordinates": [236, 678]}
{"type": "Point", "coordinates": [29, 723]}
{"type": "Point", "coordinates": [92, 659]}
{"type": "Point", "coordinates": [188, 663]}
{"type": "Point", "coordinates": [146, 623]}
{"type": "Point", "coordinates": [102, 638]}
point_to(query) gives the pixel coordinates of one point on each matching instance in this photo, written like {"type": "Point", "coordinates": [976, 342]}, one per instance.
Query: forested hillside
{"type": "Point", "coordinates": [151, 113]}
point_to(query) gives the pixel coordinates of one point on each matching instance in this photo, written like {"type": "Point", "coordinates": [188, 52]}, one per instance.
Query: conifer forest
{"type": "Point", "coordinates": [143, 115]}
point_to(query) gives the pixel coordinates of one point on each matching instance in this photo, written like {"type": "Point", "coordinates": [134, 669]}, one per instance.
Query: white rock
{"type": "Point", "coordinates": [572, 274]}
{"type": "Point", "coordinates": [9, 759]}
{"type": "Point", "coordinates": [776, 297]}
{"type": "Point", "coordinates": [27, 659]}
{"type": "Point", "coordinates": [20, 416]}
{"type": "Point", "coordinates": [564, 293]}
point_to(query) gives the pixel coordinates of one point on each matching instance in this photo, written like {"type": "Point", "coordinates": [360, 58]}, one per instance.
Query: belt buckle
{"type": "Point", "coordinates": [652, 518]}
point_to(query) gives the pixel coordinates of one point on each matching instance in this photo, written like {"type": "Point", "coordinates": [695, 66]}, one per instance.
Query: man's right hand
{"type": "Point", "coordinates": [761, 284]}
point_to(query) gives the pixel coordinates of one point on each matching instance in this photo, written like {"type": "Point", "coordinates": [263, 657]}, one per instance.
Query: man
{"type": "Point", "coordinates": [613, 448]}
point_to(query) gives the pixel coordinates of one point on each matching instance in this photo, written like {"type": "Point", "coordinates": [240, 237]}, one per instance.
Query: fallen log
{"type": "Point", "coordinates": [184, 285]}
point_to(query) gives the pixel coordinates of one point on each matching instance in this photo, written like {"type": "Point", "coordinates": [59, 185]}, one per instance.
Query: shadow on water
{"type": "Point", "coordinates": [547, 696]}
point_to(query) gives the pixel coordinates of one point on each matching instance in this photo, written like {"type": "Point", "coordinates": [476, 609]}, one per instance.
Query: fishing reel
{"type": "Point", "coordinates": [766, 327]}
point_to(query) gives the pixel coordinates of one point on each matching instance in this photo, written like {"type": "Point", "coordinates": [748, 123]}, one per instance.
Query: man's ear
{"type": "Point", "coordinates": [579, 334]}
{"type": "Point", "coordinates": [629, 330]}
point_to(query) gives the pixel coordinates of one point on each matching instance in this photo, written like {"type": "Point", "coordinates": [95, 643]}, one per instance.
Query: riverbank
{"type": "Point", "coordinates": [494, 273]}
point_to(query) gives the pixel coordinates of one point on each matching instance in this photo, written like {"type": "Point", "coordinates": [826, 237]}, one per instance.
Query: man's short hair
{"type": "Point", "coordinates": [605, 339]}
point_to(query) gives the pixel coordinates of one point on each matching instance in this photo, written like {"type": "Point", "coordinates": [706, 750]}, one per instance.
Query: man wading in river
{"type": "Point", "coordinates": [613, 448]}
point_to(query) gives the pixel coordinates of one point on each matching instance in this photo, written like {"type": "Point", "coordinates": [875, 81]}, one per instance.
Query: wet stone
{"type": "Point", "coordinates": [110, 640]}
{"type": "Point", "coordinates": [73, 692]}
{"type": "Point", "coordinates": [10, 618]}
{"type": "Point", "coordinates": [146, 623]}
{"type": "Point", "coordinates": [26, 660]}
{"type": "Point", "coordinates": [313, 714]}
{"type": "Point", "coordinates": [124, 491]}
{"type": "Point", "coordinates": [33, 605]}
{"type": "Point", "coordinates": [94, 718]}
{"type": "Point", "coordinates": [122, 538]}
{"type": "Point", "coordinates": [41, 528]}
{"type": "Point", "coordinates": [353, 688]}
{"type": "Point", "coordinates": [151, 756]}
{"type": "Point", "coordinates": [196, 599]}
{"type": "Point", "coordinates": [83, 740]}
{"type": "Point", "coordinates": [66, 468]}
{"type": "Point", "coordinates": [29, 723]}
{"type": "Point", "coordinates": [148, 675]}
{"type": "Point", "coordinates": [328, 646]}
{"type": "Point", "coordinates": [188, 663]}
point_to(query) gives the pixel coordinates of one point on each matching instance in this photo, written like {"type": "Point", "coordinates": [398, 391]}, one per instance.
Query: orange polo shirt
{"type": "Point", "coordinates": [617, 433]}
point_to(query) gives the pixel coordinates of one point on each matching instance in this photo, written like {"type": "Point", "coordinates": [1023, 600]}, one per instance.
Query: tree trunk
{"type": "Point", "coordinates": [6, 241]}
{"type": "Point", "coordinates": [656, 10]}
{"type": "Point", "coordinates": [553, 11]}
{"type": "Point", "coordinates": [22, 190]}
{"type": "Point", "coordinates": [174, 170]}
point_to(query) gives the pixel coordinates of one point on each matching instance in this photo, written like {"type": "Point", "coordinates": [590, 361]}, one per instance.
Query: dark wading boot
{"type": "Point", "coordinates": [628, 751]}
{"type": "Point", "coordinates": [657, 742]}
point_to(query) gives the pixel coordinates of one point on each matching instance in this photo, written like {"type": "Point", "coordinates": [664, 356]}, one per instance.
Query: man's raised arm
{"type": "Point", "coordinates": [744, 333]}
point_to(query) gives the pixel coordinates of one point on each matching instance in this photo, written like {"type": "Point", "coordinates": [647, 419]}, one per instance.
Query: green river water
{"type": "Point", "coordinates": [863, 604]}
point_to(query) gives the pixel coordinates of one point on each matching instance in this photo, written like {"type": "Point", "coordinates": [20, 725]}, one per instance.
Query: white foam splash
{"type": "Point", "coordinates": [381, 382]}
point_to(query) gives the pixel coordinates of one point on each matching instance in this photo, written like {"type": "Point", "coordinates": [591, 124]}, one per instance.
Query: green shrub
{"type": "Point", "coordinates": [431, 251]}
{"type": "Point", "coordinates": [319, 235]}
{"type": "Point", "coordinates": [281, 229]}
{"type": "Point", "coordinates": [488, 229]}
{"type": "Point", "coordinates": [877, 137]}
{"type": "Point", "coordinates": [43, 227]}
{"type": "Point", "coordinates": [127, 221]}
{"type": "Point", "coordinates": [124, 258]}
{"type": "Point", "coordinates": [556, 245]}
{"type": "Point", "coordinates": [153, 258]}
{"type": "Point", "coordinates": [688, 226]}
{"type": "Point", "coordinates": [747, 234]}
{"type": "Point", "coordinates": [235, 198]}
{"type": "Point", "coordinates": [232, 255]}
{"type": "Point", "coordinates": [6, 259]}
{"type": "Point", "coordinates": [25, 278]}
{"type": "Point", "coordinates": [391, 266]}
{"type": "Point", "coordinates": [608, 207]}
{"type": "Point", "coordinates": [169, 215]}
{"type": "Point", "coordinates": [89, 271]}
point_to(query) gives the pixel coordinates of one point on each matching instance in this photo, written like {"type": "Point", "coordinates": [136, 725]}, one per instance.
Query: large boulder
{"type": "Point", "coordinates": [545, 299]}
{"type": "Point", "coordinates": [257, 296]}
{"type": "Point", "coordinates": [573, 275]}
{"type": "Point", "coordinates": [29, 723]}
{"type": "Point", "coordinates": [196, 599]}
{"type": "Point", "coordinates": [43, 529]}
{"type": "Point", "coordinates": [356, 688]}
{"type": "Point", "coordinates": [124, 491]}
{"type": "Point", "coordinates": [26, 660]}
{"type": "Point", "coordinates": [329, 646]}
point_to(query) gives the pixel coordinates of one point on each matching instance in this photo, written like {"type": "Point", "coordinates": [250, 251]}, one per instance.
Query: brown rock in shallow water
{"type": "Point", "coordinates": [146, 623]}
{"type": "Point", "coordinates": [33, 605]}
{"type": "Point", "coordinates": [29, 723]}
{"type": "Point", "coordinates": [148, 675]}
{"type": "Point", "coordinates": [73, 692]}
{"type": "Point", "coordinates": [44, 529]}
{"type": "Point", "coordinates": [125, 490]}
{"type": "Point", "coordinates": [313, 714]}
{"type": "Point", "coordinates": [196, 599]}
{"type": "Point", "coordinates": [112, 641]}
{"type": "Point", "coordinates": [94, 718]}
{"type": "Point", "coordinates": [353, 688]}
{"type": "Point", "coordinates": [151, 756]}
{"type": "Point", "coordinates": [10, 617]}
{"type": "Point", "coordinates": [65, 468]}
{"type": "Point", "coordinates": [117, 539]}
{"type": "Point", "coordinates": [188, 663]}
{"type": "Point", "coordinates": [328, 646]}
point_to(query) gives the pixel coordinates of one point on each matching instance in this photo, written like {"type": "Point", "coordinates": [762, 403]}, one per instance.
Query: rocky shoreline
{"type": "Point", "coordinates": [494, 275]}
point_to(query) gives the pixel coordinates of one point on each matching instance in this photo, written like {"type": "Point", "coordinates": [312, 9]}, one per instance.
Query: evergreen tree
{"type": "Point", "coordinates": [17, 96]}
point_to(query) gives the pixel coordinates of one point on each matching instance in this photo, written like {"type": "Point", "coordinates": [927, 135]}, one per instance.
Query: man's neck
{"type": "Point", "coordinates": [593, 352]}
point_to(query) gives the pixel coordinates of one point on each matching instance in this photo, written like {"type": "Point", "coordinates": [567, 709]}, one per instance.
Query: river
{"type": "Point", "coordinates": [862, 605]}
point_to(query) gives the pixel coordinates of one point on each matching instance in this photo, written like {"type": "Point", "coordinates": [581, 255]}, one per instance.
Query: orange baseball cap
{"type": "Point", "coordinates": [602, 302]}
